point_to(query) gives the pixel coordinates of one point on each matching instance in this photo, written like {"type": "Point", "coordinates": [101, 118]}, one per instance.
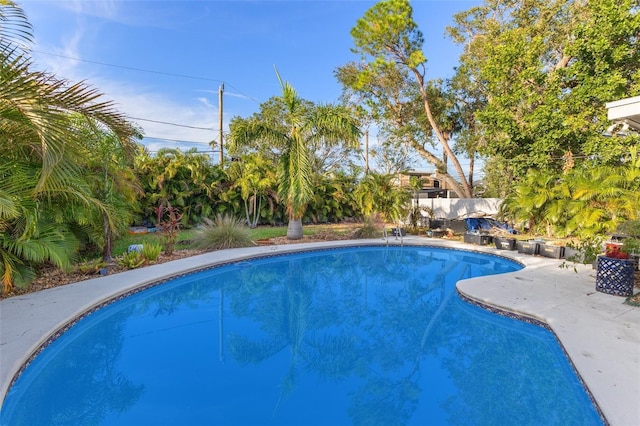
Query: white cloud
{"type": "Point", "coordinates": [103, 9]}
{"type": "Point", "coordinates": [157, 107]}
{"type": "Point", "coordinates": [136, 101]}
{"type": "Point", "coordinates": [139, 102]}
{"type": "Point", "coordinates": [130, 13]}
{"type": "Point", "coordinates": [205, 102]}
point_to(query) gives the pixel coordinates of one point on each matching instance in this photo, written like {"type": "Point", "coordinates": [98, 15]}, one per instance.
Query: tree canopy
{"type": "Point", "coordinates": [542, 72]}
{"type": "Point", "coordinates": [389, 80]}
{"type": "Point", "coordinates": [296, 129]}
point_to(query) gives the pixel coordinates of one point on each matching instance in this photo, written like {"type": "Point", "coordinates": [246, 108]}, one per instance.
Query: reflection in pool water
{"type": "Point", "coordinates": [370, 335]}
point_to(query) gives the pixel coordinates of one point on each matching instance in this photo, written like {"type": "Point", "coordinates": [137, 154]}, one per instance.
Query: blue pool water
{"type": "Point", "coordinates": [365, 336]}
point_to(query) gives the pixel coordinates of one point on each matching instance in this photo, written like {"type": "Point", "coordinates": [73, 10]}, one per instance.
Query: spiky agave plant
{"type": "Point", "coordinates": [225, 232]}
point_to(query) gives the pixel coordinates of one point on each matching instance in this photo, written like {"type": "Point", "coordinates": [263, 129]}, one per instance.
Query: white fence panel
{"type": "Point", "coordinates": [456, 208]}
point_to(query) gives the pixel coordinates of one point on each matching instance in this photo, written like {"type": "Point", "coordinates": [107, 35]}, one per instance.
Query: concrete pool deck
{"type": "Point", "coordinates": [598, 331]}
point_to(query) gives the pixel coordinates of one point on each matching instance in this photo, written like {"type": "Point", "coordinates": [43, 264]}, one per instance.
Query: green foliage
{"type": "Point", "coordinates": [110, 178]}
{"type": "Point", "coordinates": [332, 200]}
{"type": "Point", "coordinates": [186, 180]}
{"type": "Point", "coordinates": [46, 199]}
{"type": "Point", "coordinates": [225, 232]}
{"type": "Point", "coordinates": [377, 193]}
{"type": "Point", "coordinates": [151, 251]}
{"type": "Point", "coordinates": [631, 230]}
{"type": "Point", "coordinates": [585, 202]}
{"type": "Point", "coordinates": [299, 126]}
{"type": "Point", "coordinates": [541, 72]}
{"type": "Point", "coordinates": [256, 178]}
{"type": "Point", "coordinates": [588, 248]}
{"type": "Point", "coordinates": [372, 227]}
{"type": "Point", "coordinates": [132, 259]}
{"type": "Point", "coordinates": [388, 84]}
{"type": "Point", "coordinates": [91, 266]}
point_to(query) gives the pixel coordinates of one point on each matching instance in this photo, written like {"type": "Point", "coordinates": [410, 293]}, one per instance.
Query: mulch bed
{"type": "Point", "coordinates": [50, 276]}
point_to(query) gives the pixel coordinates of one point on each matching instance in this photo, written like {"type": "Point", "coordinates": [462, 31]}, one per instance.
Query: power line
{"type": "Point", "coordinates": [126, 67]}
{"type": "Point", "coordinates": [197, 152]}
{"type": "Point", "coordinates": [173, 124]}
{"type": "Point", "coordinates": [145, 70]}
{"type": "Point", "coordinates": [175, 140]}
{"type": "Point", "coordinates": [152, 72]}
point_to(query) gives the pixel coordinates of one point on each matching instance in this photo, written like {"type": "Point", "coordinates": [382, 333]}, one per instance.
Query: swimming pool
{"type": "Point", "coordinates": [373, 335]}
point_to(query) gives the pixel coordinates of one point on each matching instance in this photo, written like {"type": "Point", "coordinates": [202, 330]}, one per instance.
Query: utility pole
{"type": "Point", "coordinates": [366, 151]}
{"type": "Point", "coordinates": [220, 92]}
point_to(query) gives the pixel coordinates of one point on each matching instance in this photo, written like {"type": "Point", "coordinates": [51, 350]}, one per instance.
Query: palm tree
{"type": "Point", "coordinates": [606, 196]}
{"type": "Point", "coordinates": [107, 169]}
{"type": "Point", "coordinates": [530, 200]}
{"type": "Point", "coordinates": [587, 201]}
{"type": "Point", "coordinates": [377, 193]}
{"type": "Point", "coordinates": [42, 161]}
{"type": "Point", "coordinates": [254, 176]}
{"type": "Point", "coordinates": [303, 127]}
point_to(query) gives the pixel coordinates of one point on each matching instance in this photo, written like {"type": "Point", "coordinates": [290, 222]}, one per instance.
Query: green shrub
{"type": "Point", "coordinates": [132, 259]}
{"type": "Point", "coordinates": [151, 251]}
{"type": "Point", "coordinates": [91, 266]}
{"type": "Point", "coordinates": [225, 232]}
{"type": "Point", "coordinates": [371, 227]}
{"type": "Point", "coordinates": [588, 249]}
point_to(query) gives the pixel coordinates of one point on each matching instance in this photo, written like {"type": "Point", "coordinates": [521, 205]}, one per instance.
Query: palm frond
{"type": "Point", "coordinates": [332, 124]}
{"type": "Point", "coordinates": [16, 33]}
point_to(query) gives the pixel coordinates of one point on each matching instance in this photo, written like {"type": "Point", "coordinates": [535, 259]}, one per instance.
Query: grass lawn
{"type": "Point", "coordinates": [185, 237]}
{"type": "Point", "coordinates": [122, 244]}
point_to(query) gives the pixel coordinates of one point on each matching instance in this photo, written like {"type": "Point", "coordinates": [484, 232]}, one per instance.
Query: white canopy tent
{"type": "Point", "coordinates": [625, 114]}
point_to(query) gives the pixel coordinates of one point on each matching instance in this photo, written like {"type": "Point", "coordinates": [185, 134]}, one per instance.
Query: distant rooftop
{"type": "Point", "coordinates": [419, 172]}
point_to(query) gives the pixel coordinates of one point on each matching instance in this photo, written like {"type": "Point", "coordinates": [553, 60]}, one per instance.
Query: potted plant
{"type": "Point", "coordinates": [584, 251]}
{"type": "Point", "coordinates": [629, 232]}
{"type": "Point", "coordinates": [615, 268]}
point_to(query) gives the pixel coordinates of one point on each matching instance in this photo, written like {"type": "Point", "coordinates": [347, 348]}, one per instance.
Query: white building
{"type": "Point", "coordinates": [625, 115]}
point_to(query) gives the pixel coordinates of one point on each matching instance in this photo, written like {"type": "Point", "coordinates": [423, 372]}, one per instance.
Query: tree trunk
{"type": "Point", "coordinates": [472, 163]}
{"type": "Point", "coordinates": [108, 243]}
{"type": "Point", "coordinates": [246, 211]}
{"type": "Point", "coordinates": [294, 229]}
{"type": "Point", "coordinates": [256, 216]}
{"type": "Point", "coordinates": [465, 188]}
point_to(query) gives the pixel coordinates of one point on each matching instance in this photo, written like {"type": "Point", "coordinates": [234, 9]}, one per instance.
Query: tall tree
{"type": "Point", "coordinates": [391, 80]}
{"type": "Point", "coordinates": [299, 130]}
{"type": "Point", "coordinates": [542, 72]}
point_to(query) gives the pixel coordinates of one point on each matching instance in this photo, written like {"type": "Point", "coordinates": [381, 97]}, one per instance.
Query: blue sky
{"type": "Point", "coordinates": [236, 42]}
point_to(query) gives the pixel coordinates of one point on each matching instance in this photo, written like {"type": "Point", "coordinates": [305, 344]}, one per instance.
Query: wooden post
{"type": "Point", "coordinates": [220, 92]}
{"type": "Point", "coordinates": [366, 152]}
